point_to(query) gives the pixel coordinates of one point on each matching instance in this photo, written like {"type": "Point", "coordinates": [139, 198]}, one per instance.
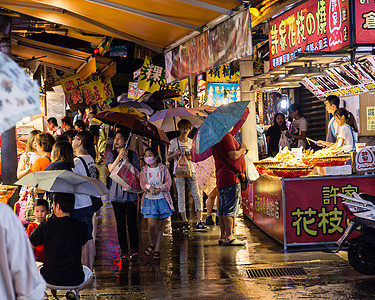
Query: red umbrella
{"type": "Point", "coordinates": [135, 124]}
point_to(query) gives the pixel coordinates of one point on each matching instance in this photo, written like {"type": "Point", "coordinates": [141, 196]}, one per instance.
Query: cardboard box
{"type": "Point", "coordinates": [334, 171]}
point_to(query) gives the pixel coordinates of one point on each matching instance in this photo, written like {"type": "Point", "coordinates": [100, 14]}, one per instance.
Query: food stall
{"type": "Point", "coordinates": [297, 206]}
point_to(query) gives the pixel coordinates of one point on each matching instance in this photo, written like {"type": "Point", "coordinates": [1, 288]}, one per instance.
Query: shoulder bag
{"type": "Point", "coordinates": [241, 176]}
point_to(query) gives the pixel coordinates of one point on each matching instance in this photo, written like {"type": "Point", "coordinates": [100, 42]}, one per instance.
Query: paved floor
{"type": "Point", "coordinates": [193, 266]}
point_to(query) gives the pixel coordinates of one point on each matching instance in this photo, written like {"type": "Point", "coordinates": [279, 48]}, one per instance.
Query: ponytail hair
{"type": "Point", "coordinates": [349, 117]}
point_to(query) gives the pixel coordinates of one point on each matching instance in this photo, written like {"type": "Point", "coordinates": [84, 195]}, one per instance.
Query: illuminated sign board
{"type": "Point", "coordinates": [313, 26]}
{"type": "Point", "coordinates": [364, 29]}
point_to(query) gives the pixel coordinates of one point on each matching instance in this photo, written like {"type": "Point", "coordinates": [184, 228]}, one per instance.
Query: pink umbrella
{"type": "Point", "coordinates": [195, 157]}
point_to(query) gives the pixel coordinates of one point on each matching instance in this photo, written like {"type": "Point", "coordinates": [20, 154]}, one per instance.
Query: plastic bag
{"type": "Point", "coordinates": [251, 172]}
{"type": "Point", "coordinates": [183, 168]}
{"type": "Point", "coordinates": [284, 142]}
{"type": "Point", "coordinates": [127, 176]}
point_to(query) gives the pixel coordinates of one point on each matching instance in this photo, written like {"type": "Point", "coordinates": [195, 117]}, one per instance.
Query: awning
{"type": "Point", "coordinates": [153, 24]}
{"type": "Point", "coordinates": [62, 58]}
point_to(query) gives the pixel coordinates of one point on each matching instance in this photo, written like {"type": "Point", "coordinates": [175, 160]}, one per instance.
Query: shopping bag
{"type": "Point", "coordinates": [127, 176]}
{"type": "Point", "coordinates": [283, 142]}
{"type": "Point", "coordinates": [250, 171]}
{"type": "Point", "coordinates": [183, 168]}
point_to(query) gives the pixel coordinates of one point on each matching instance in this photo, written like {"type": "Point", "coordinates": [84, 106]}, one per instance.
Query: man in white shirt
{"type": "Point", "coordinates": [19, 277]}
{"type": "Point", "coordinates": [54, 127]}
{"type": "Point", "coordinates": [83, 209]}
{"type": "Point", "coordinates": [299, 127]}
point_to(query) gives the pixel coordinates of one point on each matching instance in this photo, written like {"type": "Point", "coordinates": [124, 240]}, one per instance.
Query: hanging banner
{"type": "Point", "coordinates": [222, 93]}
{"type": "Point", "coordinates": [228, 41]}
{"type": "Point", "coordinates": [152, 77]}
{"type": "Point", "coordinates": [364, 14]}
{"type": "Point", "coordinates": [224, 74]}
{"type": "Point", "coordinates": [133, 91]}
{"type": "Point", "coordinates": [313, 26]}
{"type": "Point", "coordinates": [82, 93]}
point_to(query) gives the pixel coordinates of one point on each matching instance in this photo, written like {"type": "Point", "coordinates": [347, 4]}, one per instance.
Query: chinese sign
{"type": "Point", "coordinates": [19, 94]}
{"type": "Point", "coordinates": [370, 116]}
{"type": "Point", "coordinates": [152, 76]}
{"type": "Point", "coordinates": [134, 92]}
{"type": "Point", "coordinates": [224, 74]}
{"type": "Point", "coordinates": [118, 50]}
{"type": "Point", "coordinates": [82, 93]}
{"type": "Point", "coordinates": [364, 160]}
{"type": "Point", "coordinates": [228, 41]}
{"type": "Point", "coordinates": [222, 93]}
{"type": "Point", "coordinates": [315, 25]}
{"type": "Point", "coordinates": [346, 80]}
{"type": "Point", "coordinates": [313, 209]}
{"type": "Point", "coordinates": [364, 22]}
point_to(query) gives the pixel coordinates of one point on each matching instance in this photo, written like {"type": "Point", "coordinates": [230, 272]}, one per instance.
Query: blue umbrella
{"type": "Point", "coordinates": [218, 123]}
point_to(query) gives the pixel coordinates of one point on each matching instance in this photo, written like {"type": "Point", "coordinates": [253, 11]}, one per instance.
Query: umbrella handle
{"type": "Point", "coordinates": [127, 143]}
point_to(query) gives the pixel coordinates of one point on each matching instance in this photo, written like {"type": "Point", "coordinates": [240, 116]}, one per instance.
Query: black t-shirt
{"type": "Point", "coordinates": [63, 239]}
{"type": "Point", "coordinates": [274, 133]}
{"type": "Point", "coordinates": [59, 165]}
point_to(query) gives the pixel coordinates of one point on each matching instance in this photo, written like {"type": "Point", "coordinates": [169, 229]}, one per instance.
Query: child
{"type": "Point", "coordinates": [176, 147]}
{"type": "Point", "coordinates": [41, 210]}
{"type": "Point", "coordinates": [157, 205]}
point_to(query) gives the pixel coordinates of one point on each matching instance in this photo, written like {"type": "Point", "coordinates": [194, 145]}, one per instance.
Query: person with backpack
{"type": "Point", "coordinates": [124, 203]}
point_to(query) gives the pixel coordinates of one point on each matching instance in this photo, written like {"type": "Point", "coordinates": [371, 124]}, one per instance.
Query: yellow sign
{"type": "Point", "coordinates": [370, 115]}
{"type": "Point", "coordinates": [223, 74]}
{"type": "Point", "coordinates": [152, 77]}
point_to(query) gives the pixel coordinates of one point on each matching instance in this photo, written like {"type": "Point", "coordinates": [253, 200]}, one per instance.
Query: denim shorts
{"type": "Point", "coordinates": [156, 208]}
{"type": "Point", "coordinates": [229, 201]}
{"type": "Point", "coordinates": [85, 215]}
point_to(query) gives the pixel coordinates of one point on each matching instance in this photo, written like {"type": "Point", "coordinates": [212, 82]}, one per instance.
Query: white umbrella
{"type": "Point", "coordinates": [63, 181]}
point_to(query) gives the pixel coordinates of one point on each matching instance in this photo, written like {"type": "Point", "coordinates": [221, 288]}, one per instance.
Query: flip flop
{"type": "Point", "coordinates": [148, 250]}
{"type": "Point", "coordinates": [235, 242]}
{"type": "Point", "coordinates": [156, 256]}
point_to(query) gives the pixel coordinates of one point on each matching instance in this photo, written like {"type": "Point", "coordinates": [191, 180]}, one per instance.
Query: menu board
{"type": "Point", "coordinates": [370, 117]}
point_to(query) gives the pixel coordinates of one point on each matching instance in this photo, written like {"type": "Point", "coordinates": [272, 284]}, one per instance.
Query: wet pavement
{"type": "Point", "coordinates": [194, 266]}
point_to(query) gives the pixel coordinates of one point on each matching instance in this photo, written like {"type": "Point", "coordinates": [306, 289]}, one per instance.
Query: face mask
{"type": "Point", "coordinates": [149, 160]}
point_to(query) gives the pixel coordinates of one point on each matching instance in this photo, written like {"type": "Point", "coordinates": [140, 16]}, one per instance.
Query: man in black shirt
{"type": "Point", "coordinates": [63, 238]}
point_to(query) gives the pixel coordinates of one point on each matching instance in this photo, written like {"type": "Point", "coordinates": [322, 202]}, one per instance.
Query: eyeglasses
{"type": "Point", "coordinates": [76, 138]}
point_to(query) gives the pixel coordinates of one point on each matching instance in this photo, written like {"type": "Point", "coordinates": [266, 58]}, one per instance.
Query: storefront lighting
{"type": "Point", "coordinates": [284, 104]}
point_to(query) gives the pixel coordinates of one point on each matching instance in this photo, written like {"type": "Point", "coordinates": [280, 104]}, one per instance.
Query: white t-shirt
{"type": "Point", "coordinates": [345, 132]}
{"type": "Point", "coordinates": [297, 127]}
{"type": "Point", "coordinates": [173, 147]}
{"type": "Point", "coordinates": [155, 179]}
{"type": "Point", "coordinates": [84, 200]}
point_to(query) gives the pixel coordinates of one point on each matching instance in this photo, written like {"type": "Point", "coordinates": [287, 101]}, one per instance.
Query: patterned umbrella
{"type": "Point", "coordinates": [218, 123]}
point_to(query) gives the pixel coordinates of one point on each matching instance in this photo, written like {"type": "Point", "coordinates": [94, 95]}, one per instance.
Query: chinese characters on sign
{"type": "Point", "coordinates": [364, 160]}
{"type": "Point", "coordinates": [370, 115]}
{"type": "Point", "coordinates": [223, 73]}
{"type": "Point", "coordinates": [222, 93]}
{"type": "Point", "coordinates": [134, 92]}
{"type": "Point", "coordinates": [313, 26]}
{"type": "Point", "coordinates": [364, 22]}
{"type": "Point", "coordinates": [325, 220]}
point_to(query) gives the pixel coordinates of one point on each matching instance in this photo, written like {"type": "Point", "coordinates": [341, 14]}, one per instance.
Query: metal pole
{"type": "Point", "coordinates": [9, 137]}
{"type": "Point", "coordinates": [249, 130]}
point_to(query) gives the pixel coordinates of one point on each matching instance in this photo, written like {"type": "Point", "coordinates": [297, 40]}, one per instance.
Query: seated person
{"type": "Point", "coordinates": [63, 238]}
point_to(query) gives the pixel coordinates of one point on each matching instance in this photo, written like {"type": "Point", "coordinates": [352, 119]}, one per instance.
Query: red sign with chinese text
{"type": "Point", "coordinates": [364, 22]}
{"type": "Point", "coordinates": [313, 210]}
{"type": "Point", "coordinates": [313, 26]}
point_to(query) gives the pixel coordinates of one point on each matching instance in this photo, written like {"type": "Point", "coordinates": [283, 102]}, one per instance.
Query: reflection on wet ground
{"type": "Point", "coordinates": [194, 266]}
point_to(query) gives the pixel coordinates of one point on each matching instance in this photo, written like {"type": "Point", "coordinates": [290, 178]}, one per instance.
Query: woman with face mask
{"type": "Point", "coordinates": [157, 203]}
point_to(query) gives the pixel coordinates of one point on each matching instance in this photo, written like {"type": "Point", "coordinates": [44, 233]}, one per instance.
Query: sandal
{"type": "Point", "coordinates": [148, 250]}
{"type": "Point", "coordinates": [235, 242]}
{"type": "Point", "coordinates": [156, 255]}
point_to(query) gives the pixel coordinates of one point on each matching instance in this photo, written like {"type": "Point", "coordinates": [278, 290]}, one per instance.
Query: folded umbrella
{"type": "Point", "coordinates": [167, 119]}
{"type": "Point", "coordinates": [63, 181]}
{"type": "Point", "coordinates": [135, 124]}
{"type": "Point", "coordinates": [218, 123]}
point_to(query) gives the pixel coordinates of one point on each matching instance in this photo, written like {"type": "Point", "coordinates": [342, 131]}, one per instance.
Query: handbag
{"type": "Point", "coordinates": [97, 202]}
{"type": "Point", "coordinates": [183, 168]}
{"type": "Point", "coordinates": [241, 176]}
{"type": "Point", "coordinates": [126, 175]}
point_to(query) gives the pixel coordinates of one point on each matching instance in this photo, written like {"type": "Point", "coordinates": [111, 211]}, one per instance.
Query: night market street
{"type": "Point", "coordinates": [194, 266]}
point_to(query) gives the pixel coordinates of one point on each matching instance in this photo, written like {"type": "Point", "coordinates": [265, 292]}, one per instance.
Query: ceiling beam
{"type": "Point", "coordinates": [209, 6]}
{"type": "Point", "coordinates": [145, 14]}
{"type": "Point", "coordinates": [111, 30]}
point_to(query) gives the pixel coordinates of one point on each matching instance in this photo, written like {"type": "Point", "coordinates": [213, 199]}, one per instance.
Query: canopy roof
{"type": "Point", "coordinates": [154, 24]}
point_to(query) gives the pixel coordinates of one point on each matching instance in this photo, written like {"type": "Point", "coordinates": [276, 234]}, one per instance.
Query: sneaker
{"type": "Point", "coordinates": [186, 227]}
{"type": "Point", "coordinates": [217, 221]}
{"type": "Point", "coordinates": [210, 221]}
{"type": "Point", "coordinates": [201, 227]}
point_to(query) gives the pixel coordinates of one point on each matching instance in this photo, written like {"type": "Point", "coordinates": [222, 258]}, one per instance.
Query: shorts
{"type": "Point", "coordinates": [156, 208]}
{"type": "Point", "coordinates": [94, 129]}
{"type": "Point", "coordinates": [229, 200]}
{"type": "Point", "coordinates": [85, 215]}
